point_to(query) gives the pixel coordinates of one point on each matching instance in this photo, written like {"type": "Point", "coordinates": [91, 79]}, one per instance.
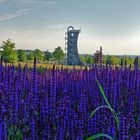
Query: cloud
{"type": "Point", "coordinates": [55, 27]}
{"type": "Point", "coordinates": [15, 14]}
{"type": "Point", "coordinates": [3, 0]}
{"type": "Point", "coordinates": [50, 2]}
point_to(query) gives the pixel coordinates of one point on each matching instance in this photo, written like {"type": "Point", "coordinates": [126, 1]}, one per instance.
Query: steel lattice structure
{"type": "Point", "coordinates": [71, 46]}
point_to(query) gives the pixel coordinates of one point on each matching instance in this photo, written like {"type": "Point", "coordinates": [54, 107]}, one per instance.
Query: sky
{"type": "Point", "coordinates": [112, 24]}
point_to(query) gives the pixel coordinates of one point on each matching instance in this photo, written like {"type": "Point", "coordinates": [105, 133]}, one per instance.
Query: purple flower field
{"type": "Point", "coordinates": [56, 104]}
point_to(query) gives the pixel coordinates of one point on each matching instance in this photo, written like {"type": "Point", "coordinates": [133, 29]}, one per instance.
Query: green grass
{"type": "Point", "coordinates": [99, 135]}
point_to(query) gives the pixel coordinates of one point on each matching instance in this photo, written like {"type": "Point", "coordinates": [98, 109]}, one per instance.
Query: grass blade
{"type": "Point", "coordinates": [107, 102]}
{"type": "Point", "coordinates": [101, 107]}
{"type": "Point", "coordinates": [102, 93]}
{"type": "Point", "coordinates": [99, 135]}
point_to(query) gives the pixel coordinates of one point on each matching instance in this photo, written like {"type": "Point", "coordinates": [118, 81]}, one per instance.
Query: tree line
{"type": "Point", "coordinates": [107, 59]}
{"type": "Point", "coordinates": [10, 54]}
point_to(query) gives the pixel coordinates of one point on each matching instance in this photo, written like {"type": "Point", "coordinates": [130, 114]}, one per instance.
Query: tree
{"type": "Point", "coordinates": [48, 55]}
{"type": "Point", "coordinates": [128, 60]}
{"type": "Point", "coordinates": [112, 60]}
{"type": "Point", "coordinates": [58, 54]}
{"type": "Point", "coordinates": [21, 55]}
{"type": "Point", "coordinates": [82, 58]}
{"type": "Point", "coordinates": [88, 59]}
{"type": "Point", "coordinates": [9, 54]}
{"type": "Point", "coordinates": [30, 56]}
{"type": "Point", "coordinates": [0, 53]}
{"type": "Point", "coordinates": [104, 59]}
{"type": "Point", "coordinates": [96, 56]}
{"type": "Point", "coordinates": [38, 54]}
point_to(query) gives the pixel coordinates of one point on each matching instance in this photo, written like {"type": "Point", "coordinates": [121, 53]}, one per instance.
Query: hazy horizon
{"type": "Point", "coordinates": [32, 24]}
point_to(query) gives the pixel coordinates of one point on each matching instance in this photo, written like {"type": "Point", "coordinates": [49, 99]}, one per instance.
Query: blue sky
{"type": "Point", "coordinates": [112, 24]}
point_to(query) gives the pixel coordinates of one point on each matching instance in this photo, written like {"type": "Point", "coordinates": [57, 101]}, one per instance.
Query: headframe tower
{"type": "Point", "coordinates": [71, 46]}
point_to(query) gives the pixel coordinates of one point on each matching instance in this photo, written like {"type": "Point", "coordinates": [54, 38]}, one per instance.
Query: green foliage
{"type": "Point", "coordinates": [38, 54]}
{"type": "Point", "coordinates": [21, 55]}
{"type": "Point", "coordinates": [0, 53]}
{"type": "Point", "coordinates": [128, 60]}
{"type": "Point", "coordinates": [14, 133]}
{"type": "Point", "coordinates": [112, 60]}
{"type": "Point", "coordinates": [104, 59]}
{"type": "Point", "coordinates": [98, 108]}
{"type": "Point", "coordinates": [30, 56]}
{"type": "Point", "coordinates": [9, 54]}
{"type": "Point", "coordinates": [58, 54]}
{"type": "Point", "coordinates": [99, 136]}
{"type": "Point", "coordinates": [96, 56]}
{"type": "Point", "coordinates": [48, 55]}
{"type": "Point", "coordinates": [101, 107]}
{"type": "Point", "coordinates": [107, 102]}
{"type": "Point", "coordinates": [82, 58]}
{"type": "Point", "coordinates": [88, 59]}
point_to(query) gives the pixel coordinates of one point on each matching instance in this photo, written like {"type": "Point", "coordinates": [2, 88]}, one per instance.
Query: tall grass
{"type": "Point", "coordinates": [103, 107]}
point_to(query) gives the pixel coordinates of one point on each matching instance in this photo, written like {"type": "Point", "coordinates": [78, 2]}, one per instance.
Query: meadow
{"type": "Point", "coordinates": [69, 103]}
